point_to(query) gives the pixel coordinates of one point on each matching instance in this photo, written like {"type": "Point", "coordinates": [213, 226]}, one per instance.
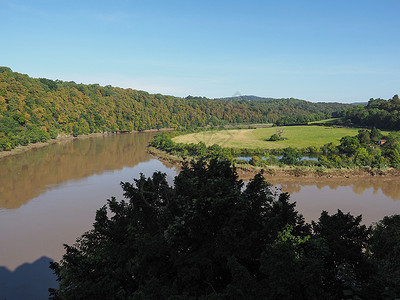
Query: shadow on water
{"type": "Point", "coordinates": [28, 281]}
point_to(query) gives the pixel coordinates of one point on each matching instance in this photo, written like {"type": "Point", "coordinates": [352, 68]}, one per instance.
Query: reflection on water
{"type": "Point", "coordinates": [27, 175]}
{"type": "Point", "coordinates": [60, 215]}
{"type": "Point", "coordinates": [373, 198]}
{"type": "Point", "coordinates": [387, 185]}
{"type": "Point", "coordinates": [54, 193]}
{"type": "Point", "coordinates": [61, 187]}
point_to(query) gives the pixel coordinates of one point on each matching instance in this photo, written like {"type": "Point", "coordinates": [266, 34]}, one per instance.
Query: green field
{"type": "Point", "coordinates": [296, 136]}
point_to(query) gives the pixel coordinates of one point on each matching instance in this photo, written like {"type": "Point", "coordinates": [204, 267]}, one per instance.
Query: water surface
{"type": "Point", "coordinates": [372, 197]}
{"type": "Point", "coordinates": [49, 197]}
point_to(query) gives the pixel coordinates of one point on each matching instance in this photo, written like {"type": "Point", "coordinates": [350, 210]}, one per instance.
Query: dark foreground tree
{"type": "Point", "coordinates": [211, 237]}
{"type": "Point", "coordinates": [385, 252]}
{"type": "Point", "coordinates": [207, 236]}
{"type": "Point", "coordinates": [346, 267]}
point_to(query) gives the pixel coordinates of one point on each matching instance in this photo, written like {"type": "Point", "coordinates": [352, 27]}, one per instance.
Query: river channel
{"type": "Point", "coordinates": [49, 196]}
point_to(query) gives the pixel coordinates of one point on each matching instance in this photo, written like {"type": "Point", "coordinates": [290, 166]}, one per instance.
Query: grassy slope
{"type": "Point", "coordinates": [296, 136]}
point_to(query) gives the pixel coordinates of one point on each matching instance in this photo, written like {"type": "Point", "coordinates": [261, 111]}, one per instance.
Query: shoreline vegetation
{"type": "Point", "coordinates": [367, 153]}
{"type": "Point", "coordinates": [247, 171]}
{"type": "Point", "coordinates": [37, 112]}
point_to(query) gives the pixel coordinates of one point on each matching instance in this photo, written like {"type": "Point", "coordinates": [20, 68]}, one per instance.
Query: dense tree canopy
{"type": "Point", "coordinates": [211, 237]}
{"type": "Point", "coordinates": [33, 110]}
{"type": "Point", "coordinates": [379, 113]}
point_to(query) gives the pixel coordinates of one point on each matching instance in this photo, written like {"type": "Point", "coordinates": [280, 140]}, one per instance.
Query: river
{"type": "Point", "coordinates": [49, 197]}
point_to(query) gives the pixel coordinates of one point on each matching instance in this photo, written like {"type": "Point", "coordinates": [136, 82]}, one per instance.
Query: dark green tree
{"type": "Point", "coordinates": [347, 269]}
{"type": "Point", "coordinates": [209, 237]}
{"type": "Point", "coordinates": [290, 156]}
{"type": "Point", "coordinates": [364, 136]}
{"type": "Point", "coordinates": [385, 250]}
{"type": "Point", "coordinates": [275, 137]}
{"type": "Point", "coordinates": [349, 145]}
{"type": "Point", "coordinates": [206, 237]}
{"type": "Point", "coordinates": [375, 135]}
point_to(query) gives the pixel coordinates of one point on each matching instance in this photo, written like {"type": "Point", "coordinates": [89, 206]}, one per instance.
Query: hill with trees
{"type": "Point", "coordinates": [291, 111]}
{"type": "Point", "coordinates": [37, 109]}
{"type": "Point", "coordinates": [379, 113]}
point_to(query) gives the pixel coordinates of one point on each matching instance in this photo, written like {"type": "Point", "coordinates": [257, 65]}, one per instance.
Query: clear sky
{"type": "Point", "coordinates": [345, 51]}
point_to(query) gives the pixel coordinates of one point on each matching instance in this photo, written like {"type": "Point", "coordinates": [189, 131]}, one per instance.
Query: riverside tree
{"type": "Point", "coordinates": [211, 237]}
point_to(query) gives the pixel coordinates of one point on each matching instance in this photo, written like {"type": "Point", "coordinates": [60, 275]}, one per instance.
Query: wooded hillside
{"type": "Point", "coordinates": [379, 113]}
{"type": "Point", "coordinates": [37, 109]}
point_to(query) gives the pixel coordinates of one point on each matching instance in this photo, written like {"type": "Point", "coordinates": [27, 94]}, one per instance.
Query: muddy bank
{"type": "Point", "coordinates": [248, 171]}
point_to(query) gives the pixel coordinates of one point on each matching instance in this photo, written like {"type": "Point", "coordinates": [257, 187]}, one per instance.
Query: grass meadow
{"type": "Point", "coordinates": [295, 136]}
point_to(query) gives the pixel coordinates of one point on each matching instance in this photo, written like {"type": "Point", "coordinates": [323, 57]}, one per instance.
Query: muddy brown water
{"type": "Point", "coordinates": [49, 196]}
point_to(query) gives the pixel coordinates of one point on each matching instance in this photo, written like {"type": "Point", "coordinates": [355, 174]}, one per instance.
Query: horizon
{"type": "Point", "coordinates": [321, 52]}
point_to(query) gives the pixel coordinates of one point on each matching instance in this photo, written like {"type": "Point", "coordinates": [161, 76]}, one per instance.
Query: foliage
{"type": "Point", "coordinates": [346, 264]}
{"type": "Point", "coordinates": [209, 237]}
{"type": "Point", "coordinates": [203, 237]}
{"type": "Point", "coordinates": [274, 137]}
{"type": "Point", "coordinates": [290, 156]}
{"type": "Point", "coordinates": [349, 145]}
{"type": "Point", "coordinates": [67, 107]}
{"type": "Point", "coordinates": [384, 247]}
{"type": "Point", "coordinates": [379, 113]}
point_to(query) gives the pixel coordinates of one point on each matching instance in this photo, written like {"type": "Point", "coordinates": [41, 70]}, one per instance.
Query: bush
{"type": "Point", "coordinates": [274, 137]}
{"type": "Point", "coordinates": [290, 156]}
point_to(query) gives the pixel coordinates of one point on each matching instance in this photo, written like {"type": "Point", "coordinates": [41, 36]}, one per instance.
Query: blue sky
{"type": "Point", "coordinates": [345, 51]}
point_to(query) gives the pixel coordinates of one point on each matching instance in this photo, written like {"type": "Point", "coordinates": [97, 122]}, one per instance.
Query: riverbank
{"type": "Point", "coordinates": [62, 138]}
{"type": "Point", "coordinates": [59, 139]}
{"type": "Point", "coordinates": [246, 171]}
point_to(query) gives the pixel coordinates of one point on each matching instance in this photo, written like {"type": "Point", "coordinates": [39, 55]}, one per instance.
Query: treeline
{"type": "Point", "coordinates": [33, 110]}
{"type": "Point", "coordinates": [379, 113]}
{"type": "Point", "coordinates": [292, 111]}
{"type": "Point", "coordinates": [211, 237]}
{"type": "Point", "coordinates": [370, 148]}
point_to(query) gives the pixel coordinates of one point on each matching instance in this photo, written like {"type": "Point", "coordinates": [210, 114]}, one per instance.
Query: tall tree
{"type": "Point", "coordinates": [204, 237]}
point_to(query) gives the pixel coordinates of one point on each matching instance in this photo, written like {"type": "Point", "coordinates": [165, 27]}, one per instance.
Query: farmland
{"type": "Point", "coordinates": [294, 136]}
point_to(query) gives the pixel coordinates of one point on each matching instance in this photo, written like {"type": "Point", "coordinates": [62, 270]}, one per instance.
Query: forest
{"type": "Point", "coordinates": [379, 113]}
{"type": "Point", "coordinates": [38, 109]}
{"type": "Point", "coordinates": [211, 237]}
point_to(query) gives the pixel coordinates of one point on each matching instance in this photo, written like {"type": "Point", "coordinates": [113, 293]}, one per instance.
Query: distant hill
{"type": "Point", "coordinates": [268, 99]}
{"type": "Point", "coordinates": [359, 103]}
{"type": "Point", "coordinates": [37, 109]}
{"type": "Point", "coordinates": [246, 97]}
